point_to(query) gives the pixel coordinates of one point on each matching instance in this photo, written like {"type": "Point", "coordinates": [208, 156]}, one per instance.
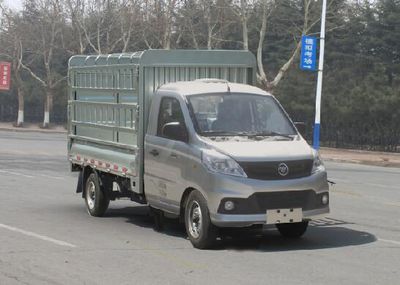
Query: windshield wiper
{"type": "Point", "coordinates": [223, 133]}
{"type": "Point", "coordinates": [270, 134]}
{"type": "Point", "coordinates": [248, 134]}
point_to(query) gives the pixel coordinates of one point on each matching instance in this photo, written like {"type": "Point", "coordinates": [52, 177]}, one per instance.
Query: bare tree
{"type": "Point", "coordinates": [45, 30]}
{"type": "Point", "coordinates": [242, 10]}
{"type": "Point", "coordinates": [267, 7]}
{"type": "Point", "coordinates": [207, 8]}
{"type": "Point", "coordinates": [189, 23]}
{"type": "Point", "coordinates": [214, 12]}
{"type": "Point", "coordinates": [76, 12]}
{"type": "Point", "coordinates": [11, 49]}
{"type": "Point", "coordinates": [203, 22]}
{"type": "Point", "coordinates": [262, 77]}
{"type": "Point", "coordinates": [128, 11]}
{"type": "Point", "coordinates": [159, 22]}
{"type": "Point", "coordinates": [169, 11]}
{"type": "Point", "coordinates": [105, 25]}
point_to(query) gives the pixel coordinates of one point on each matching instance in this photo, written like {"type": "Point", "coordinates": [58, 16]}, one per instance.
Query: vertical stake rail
{"type": "Point", "coordinates": [319, 80]}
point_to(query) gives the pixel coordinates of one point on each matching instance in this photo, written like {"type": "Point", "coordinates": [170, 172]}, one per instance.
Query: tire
{"type": "Point", "coordinates": [96, 201]}
{"type": "Point", "coordinates": [201, 232]}
{"type": "Point", "coordinates": [294, 230]}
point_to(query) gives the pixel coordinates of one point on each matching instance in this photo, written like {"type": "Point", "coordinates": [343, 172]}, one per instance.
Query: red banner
{"type": "Point", "coordinates": [5, 75]}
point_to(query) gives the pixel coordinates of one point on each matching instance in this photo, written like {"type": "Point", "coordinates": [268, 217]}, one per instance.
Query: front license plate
{"type": "Point", "coordinates": [282, 216]}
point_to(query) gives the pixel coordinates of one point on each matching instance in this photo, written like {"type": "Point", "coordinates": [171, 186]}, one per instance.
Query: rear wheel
{"type": "Point", "coordinates": [201, 232]}
{"type": "Point", "coordinates": [294, 230]}
{"type": "Point", "coordinates": [96, 201]}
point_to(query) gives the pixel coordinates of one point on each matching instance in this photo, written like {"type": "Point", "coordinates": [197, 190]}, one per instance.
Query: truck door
{"type": "Point", "coordinates": [164, 160]}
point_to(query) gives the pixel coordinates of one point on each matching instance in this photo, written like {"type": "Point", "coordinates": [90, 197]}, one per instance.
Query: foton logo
{"type": "Point", "coordinates": [5, 75]}
{"type": "Point", "coordinates": [283, 169]}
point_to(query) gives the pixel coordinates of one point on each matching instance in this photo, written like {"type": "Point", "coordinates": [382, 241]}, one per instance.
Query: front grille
{"type": "Point", "coordinates": [268, 170]}
{"type": "Point", "coordinates": [260, 202]}
{"type": "Point", "coordinates": [288, 199]}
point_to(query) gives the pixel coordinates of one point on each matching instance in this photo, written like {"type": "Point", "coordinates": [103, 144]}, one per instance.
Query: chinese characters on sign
{"type": "Point", "coordinates": [308, 53]}
{"type": "Point", "coordinates": [5, 75]}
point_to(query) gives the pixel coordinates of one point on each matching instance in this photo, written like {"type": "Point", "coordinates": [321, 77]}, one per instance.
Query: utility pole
{"type": "Point", "coordinates": [319, 80]}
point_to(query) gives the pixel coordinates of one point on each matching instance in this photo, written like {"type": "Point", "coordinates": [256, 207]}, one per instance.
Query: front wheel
{"type": "Point", "coordinates": [294, 230]}
{"type": "Point", "coordinates": [96, 201]}
{"type": "Point", "coordinates": [202, 233]}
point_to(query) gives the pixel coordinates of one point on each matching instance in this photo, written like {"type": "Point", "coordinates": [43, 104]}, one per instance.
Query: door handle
{"type": "Point", "coordinates": [174, 155]}
{"type": "Point", "coordinates": [154, 152]}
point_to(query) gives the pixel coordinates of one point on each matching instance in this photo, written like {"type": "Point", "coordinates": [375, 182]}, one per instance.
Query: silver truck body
{"type": "Point", "coordinates": [116, 131]}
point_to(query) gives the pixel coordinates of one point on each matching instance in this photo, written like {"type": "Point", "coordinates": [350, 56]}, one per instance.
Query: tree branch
{"type": "Point", "coordinates": [44, 84]}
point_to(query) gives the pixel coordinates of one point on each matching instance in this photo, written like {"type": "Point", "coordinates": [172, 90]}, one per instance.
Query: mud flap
{"type": "Point", "coordinates": [79, 186]}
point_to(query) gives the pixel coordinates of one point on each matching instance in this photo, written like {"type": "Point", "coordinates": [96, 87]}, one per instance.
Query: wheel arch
{"type": "Point", "coordinates": [83, 175]}
{"type": "Point", "coordinates": [184, 198]}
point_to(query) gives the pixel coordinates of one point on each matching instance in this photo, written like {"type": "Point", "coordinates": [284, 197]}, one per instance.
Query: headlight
{"type": "Point", "coordinates": [220, 163]}
{"type": "Point", "coordinates": [318, 165]}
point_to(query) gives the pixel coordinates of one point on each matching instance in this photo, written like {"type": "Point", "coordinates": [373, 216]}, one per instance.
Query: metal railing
{"type": "Point", "coordinates": [105, 78]}
{"type": "Point", "coordinates": [121, 117]}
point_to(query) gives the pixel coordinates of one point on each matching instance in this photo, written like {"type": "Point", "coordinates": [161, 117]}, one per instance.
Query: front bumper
{"type": "Point", "coordinates": [228, 220]}
{"type": "Point", "coordinates": [252, 198]}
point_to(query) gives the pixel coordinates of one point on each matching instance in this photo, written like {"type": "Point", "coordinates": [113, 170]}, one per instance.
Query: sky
{"type": "Point", "coordinates": [14, 4]}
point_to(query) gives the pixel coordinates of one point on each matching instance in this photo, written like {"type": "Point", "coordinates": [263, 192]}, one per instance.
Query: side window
{"type": "Point", "coordinates": [170, 111]}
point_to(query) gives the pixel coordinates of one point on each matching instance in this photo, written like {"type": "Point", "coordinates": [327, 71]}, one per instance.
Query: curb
{"type": "Point", "coordinates": [364, 162]}
{"type": "Point", "coordinates": [22, 130]}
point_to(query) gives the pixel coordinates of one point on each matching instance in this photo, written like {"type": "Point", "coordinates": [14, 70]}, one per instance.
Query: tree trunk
{"type": "Point", "coordinates": [20, 118]}
{"type": "Point", "coordinates": [48, 106]}
{"type": "Point", "coordinates": [209, 40]}
{"type": "Point", "coordinates": [243, 16]}
{"type": "Point", "coordinates": [261, 72]}
{"type": "Point", "coordinates": [209, 28]}
{"type": "Point", "coordinates": [286, 66]}
{"type": "Point", "coordinates": [245, 34]}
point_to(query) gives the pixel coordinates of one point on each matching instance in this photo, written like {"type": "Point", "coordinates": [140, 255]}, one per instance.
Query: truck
{"type": "Point", "coordinates": [188, 133]}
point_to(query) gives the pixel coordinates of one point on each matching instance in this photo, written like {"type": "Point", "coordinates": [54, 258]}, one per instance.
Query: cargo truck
{"type": "Point", "coordinates": [187, 133]}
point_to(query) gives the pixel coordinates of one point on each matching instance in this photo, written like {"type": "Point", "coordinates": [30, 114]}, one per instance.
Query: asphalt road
{"type": "Point", "coordinates": [46, 236]}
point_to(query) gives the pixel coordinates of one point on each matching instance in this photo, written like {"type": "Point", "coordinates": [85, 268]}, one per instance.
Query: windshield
{"type": "Point", "coordinates": [239, 114]}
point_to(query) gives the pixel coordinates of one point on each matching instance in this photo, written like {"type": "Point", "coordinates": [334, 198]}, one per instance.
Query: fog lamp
{"type": "Point", "coordinates": [229, 205]}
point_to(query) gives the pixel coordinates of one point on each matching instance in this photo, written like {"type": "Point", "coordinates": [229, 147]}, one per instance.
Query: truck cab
{"type": "Point", "coordinates": [227, 155]}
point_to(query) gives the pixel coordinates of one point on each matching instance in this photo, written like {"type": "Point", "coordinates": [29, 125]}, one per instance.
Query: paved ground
{"type": "Point", "coordinates": [46, 237]}
{"type": "Point", "coordinates": [32, 127]}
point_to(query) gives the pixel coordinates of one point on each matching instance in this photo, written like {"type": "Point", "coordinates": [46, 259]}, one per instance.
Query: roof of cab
{"type": "Point", "coordinates": [203, 86]}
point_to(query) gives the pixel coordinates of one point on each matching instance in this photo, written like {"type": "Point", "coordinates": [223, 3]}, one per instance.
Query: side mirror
{"type": "Point", "coordinates": [175, 131]}
{"type": "Point", "coordinates": [301, 127]}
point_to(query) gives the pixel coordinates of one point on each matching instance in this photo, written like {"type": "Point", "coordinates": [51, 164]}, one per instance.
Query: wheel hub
{"type": "Point", "coordinates": [91, 194]}
{"type": "Point", "coordinates": [195, 219]}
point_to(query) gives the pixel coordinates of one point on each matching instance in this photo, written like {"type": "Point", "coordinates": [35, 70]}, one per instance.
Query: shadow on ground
{"type": "Point", "coordinates": [315, 238]}
{"type": "Point", "coordinates": [140, 216]}
{"type": "Point", "coordinates": [321, 234]}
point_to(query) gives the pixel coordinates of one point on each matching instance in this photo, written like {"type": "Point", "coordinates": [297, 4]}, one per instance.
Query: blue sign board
{"type": "Point", "coordinates": [308, 56]}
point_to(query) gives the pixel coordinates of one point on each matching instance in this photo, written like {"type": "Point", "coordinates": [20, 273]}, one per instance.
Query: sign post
{"type": "Point", "coordinates": [308, 53]}
{"type": "Point", "coordinates": [319, 80]}
{"type": "Point", "coordinates": [5, 75]}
